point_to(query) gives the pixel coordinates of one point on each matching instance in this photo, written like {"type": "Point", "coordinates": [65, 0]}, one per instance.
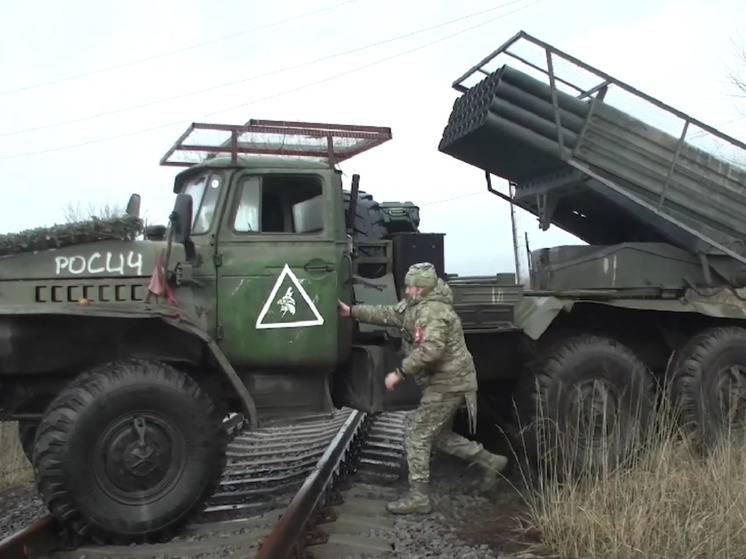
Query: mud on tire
{"type": "Point", "coordinates": [588, 405]}
{"type": "Point", "coordinates": [129, 451]}
{"type": "Point", "coordinates": [708, 377]}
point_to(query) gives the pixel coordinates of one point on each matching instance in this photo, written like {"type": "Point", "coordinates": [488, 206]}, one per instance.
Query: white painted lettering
{"type": "Point", "coordinates": [135, 265]}
{"type": "Point", "coordinates": [110, 268]}
{"type": "Point", "coordinates": [79, 268]}
{"type": "Point", "coordinates": [97, 263]}
{"type": "Point", "coordinates": [61, 262]}
{"type": "Point", "coordinates": [95, 256]}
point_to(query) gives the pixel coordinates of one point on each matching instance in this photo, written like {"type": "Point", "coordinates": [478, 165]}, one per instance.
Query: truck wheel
{"type": "Point", "coordinates": [368, 226]}
{"type": "Point", "coordinates": [129, 451]}
{"type": "Point", "coordinates": [709, 385]}
{"type": "Point", "coordinates": [682, 352]}
{"type": "Point", "coordinates": [588, 407]}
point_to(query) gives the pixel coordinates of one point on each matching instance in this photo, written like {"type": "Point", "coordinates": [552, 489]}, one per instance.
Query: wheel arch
{"type": "Point", "coordinates": [45, 350]}
{"type": "Point", "coordinates": [653, 329]}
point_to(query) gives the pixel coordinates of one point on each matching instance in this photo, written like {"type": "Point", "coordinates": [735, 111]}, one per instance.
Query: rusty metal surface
{"type": "Point", "coordinates": [35, 540]}
{"type": "Point", "coordinates": [290, 528]}
{"type": "Point", "coordinates": [332, 143]}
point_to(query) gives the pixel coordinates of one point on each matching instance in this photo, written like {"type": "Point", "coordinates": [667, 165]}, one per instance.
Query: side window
{"type": "Point", "coordinates": [206, 212]}
{"type": "Point", "coordinates": [249, 201]}
{"type": "Point", "coordinates": [196, 189]}
{"type": "Point", "coordinates": [281, 204]}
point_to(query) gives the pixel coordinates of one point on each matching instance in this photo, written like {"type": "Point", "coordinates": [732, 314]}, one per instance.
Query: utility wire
{"type": "Point", "coordinates": [256, 77]}
{"type": "Point", "coordinates": [468, 195]}
{"type": "Point", "coordinates": [273, 96]}
{"type": "Point", "coordinates": [175, 51]}
{"type": "Point", "coordinates": [701, 133]}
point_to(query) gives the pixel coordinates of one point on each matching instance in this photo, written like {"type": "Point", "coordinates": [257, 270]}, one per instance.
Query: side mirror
{"type": "Point", "coordinates": [133, 206]}
{"type": "Point", "coordinates": [181, 218]}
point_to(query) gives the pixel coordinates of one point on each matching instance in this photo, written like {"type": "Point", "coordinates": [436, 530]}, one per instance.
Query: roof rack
{"type": "Point", "coordinates": [332, 143]}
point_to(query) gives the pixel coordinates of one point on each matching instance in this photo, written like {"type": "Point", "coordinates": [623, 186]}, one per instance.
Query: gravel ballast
{"type": "Point", "coordinates": [19, 507]}
{"type": "Point", "coordinates": [465, 522]}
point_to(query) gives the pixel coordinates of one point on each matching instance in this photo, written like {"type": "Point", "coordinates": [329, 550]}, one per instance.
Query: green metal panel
{"type": "Point", "coordinates": [701, 187]}
{"type": "Point", "coordinates": [399, 217]}
{"type": "Point", "coordinates": [484, 291]}
{"type": "Point", "coordinates": [88, 261]}
{"type": "Point", "coordinates": [277, 292]}
{"type": "Point", "coordinates": [621, 267]}
{"type": "Point", "coordinates": [377, 291]}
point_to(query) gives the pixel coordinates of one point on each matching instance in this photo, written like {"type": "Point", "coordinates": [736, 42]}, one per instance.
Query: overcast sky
{"type": "Point", "coordinates": [676, 50]}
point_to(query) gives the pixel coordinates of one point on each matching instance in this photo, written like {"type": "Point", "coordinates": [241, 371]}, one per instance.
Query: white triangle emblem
{"type": "Point", "coordinates": [287, 304]}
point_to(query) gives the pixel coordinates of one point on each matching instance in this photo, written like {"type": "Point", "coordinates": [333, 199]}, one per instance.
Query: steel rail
{"type": "Point", "coordinates": [289, 530]}
{"type": "Point", "coordinates": [36, 539]}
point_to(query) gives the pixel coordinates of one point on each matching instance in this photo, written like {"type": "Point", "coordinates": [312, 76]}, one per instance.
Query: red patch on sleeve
{"type": "Point", "coordinates": [417, 334]}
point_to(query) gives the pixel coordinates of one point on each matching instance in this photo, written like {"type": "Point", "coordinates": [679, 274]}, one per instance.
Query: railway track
{"type": "Point", "coordinates": [319, 485]}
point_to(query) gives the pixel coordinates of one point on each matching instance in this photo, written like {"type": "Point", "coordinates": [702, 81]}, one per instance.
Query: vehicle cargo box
{"type": "Point", "coordinates": [621, 266]}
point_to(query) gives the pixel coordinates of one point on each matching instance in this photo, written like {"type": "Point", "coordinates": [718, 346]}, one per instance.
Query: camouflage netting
{"type": "Point", "coordinates": [123, 228]}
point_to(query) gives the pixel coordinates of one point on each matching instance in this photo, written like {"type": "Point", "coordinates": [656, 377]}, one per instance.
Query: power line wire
{"type": "Point", "coordinates": [701, 133]}
{"type": "Point", "coordinates": [273, 96]}
{"type": "Point", "coordinates": [175, 51]}
{"type": "Point", "coordinates": [258, 76]}
{"type": "Point", "coordinates": [468, 195]}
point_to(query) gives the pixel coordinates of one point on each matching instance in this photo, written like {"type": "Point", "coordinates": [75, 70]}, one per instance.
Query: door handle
{"type": "Point", "coordinates": [319, 267]}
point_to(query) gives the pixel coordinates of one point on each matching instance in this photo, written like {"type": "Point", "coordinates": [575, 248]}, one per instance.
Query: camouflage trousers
{"type": "Point", "coordinates": [432, 428]}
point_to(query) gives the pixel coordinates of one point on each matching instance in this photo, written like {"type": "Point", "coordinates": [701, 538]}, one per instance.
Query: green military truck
{"type": "Point", "coordinates": [120, 355]}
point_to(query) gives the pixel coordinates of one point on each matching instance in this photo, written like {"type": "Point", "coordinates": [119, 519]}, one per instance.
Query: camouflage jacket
{"type": "Point", "coordinates": [436, 353]}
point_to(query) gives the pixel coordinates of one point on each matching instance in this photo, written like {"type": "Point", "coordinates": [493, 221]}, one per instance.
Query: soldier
{"type": "Point", "coordinates": [439, 361]}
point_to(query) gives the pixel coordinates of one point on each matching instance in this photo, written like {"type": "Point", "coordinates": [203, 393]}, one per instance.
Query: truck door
{"type": "Point", "coordinates": [277, 272]}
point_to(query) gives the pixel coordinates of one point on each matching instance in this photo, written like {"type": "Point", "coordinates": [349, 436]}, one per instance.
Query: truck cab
{"type": "Point", "coordinates": [271, 253]}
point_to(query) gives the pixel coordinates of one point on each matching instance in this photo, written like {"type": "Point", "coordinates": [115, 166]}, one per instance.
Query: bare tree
{"type": "Point", "coordinates": [737, 75]}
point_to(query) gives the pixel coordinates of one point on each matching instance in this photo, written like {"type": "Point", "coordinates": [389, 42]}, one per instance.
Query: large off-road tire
{"type": "Point", "coordinates": [588, 405]}
{"type": "Point", "coordinates": [680, 353]}
{"type": "Point", "coordinates": [709, 385]}
{"type": "Point", "coordinates": [368, 226]}
{"type": "Point", "coordinates": [128, 452]}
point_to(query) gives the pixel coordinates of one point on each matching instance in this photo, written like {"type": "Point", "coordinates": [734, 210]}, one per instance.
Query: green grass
{"type": "Point", "coordinates": [15, 469]}
{"type": "Point", "coordinates": [670, 501]}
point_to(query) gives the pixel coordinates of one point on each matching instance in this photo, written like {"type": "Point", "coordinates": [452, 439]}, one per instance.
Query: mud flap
{"type": "Point", "coordinates": [360, 384]}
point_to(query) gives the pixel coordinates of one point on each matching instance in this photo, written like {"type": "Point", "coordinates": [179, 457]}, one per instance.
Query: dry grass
{"type": "Point", "coordinates": [673, 501]}
{"type": "Point", "coordinates": [15, 469]}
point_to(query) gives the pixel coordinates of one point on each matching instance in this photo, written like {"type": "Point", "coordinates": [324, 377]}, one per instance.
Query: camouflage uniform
{"type": "Point", "coordinates": [439, 361]}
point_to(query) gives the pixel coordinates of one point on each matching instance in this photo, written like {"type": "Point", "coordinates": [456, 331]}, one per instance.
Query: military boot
{"type": "Point", "coordinates": [492, 464]}
{"type": "Point", "coordinates": [417, 500]}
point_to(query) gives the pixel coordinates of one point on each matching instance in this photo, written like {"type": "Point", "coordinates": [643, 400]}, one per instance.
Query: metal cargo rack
{"type": "Point", "coordinates": [330, 143]}
{"type": "Point", "coordinates": [597, 157]}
